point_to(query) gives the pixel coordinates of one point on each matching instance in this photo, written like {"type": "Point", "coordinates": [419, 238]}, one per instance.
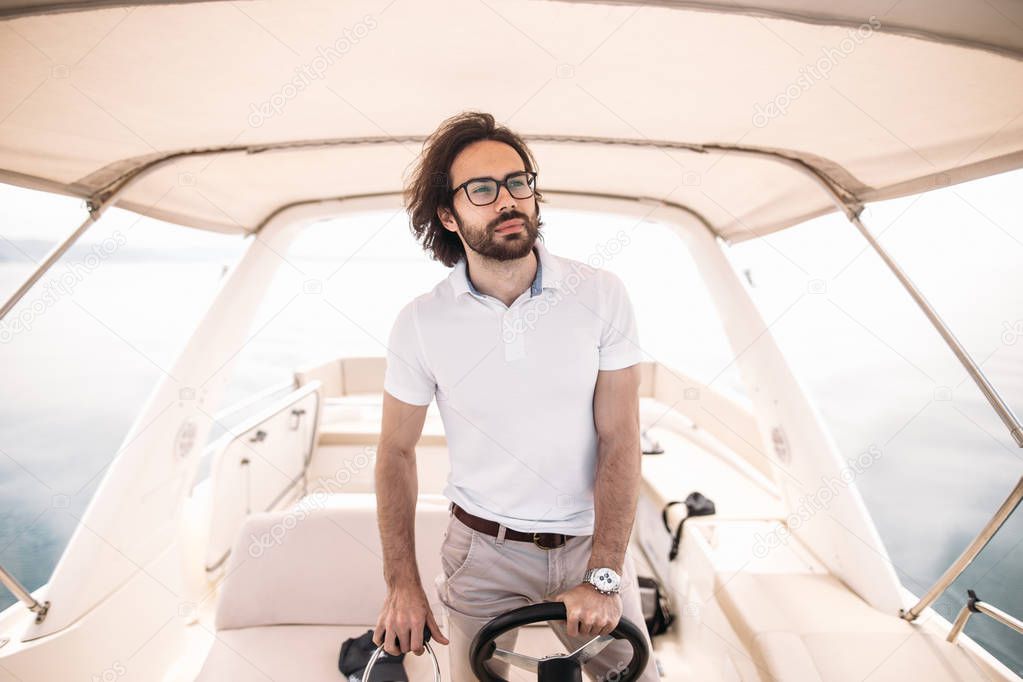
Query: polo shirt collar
{"type": "Point", "coordinates": [548, 274]}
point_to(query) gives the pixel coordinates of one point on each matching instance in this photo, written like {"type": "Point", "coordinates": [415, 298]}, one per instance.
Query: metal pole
{"type": "Point", "coordinates": [1006, 414]}
{"type": "Point", "coordinates": [999, 615]}
{"type": "Point", "coordinates": [95, 211]}
{"type": "Point", "coordinates": [970, 553]}
{"type": "Point", "coordinates": [852, 207]}
{"type": "Point", "coordinates": [23, 595]}
{"type": "Point", "coordinates": [975, 605]}
{"type": "Point", "coordinates": [957, 627]}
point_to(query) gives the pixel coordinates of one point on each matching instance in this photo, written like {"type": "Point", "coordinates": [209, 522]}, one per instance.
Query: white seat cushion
{"type": "Point", "coordinates": [300, 582]}
{"type": "Point", "coordinates": [284, 653]}
{"type": "Point", "coordinates": [812, 627]}
{"type": "Point", "coordinates": [320, 563]}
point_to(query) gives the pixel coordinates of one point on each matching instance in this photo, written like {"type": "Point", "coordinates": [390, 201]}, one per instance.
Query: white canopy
{"type": "Point", "coordinates": [247, 107]}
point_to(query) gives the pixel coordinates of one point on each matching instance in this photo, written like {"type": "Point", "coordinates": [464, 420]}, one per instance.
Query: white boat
{"type": "Point", "coordinates": [725, 121]}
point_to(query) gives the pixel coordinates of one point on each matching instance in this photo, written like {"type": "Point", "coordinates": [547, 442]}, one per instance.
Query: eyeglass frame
{"type": "Point", "coordinates": [500, 183]}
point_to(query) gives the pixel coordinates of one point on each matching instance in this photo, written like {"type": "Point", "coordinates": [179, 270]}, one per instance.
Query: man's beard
{"type": "Point", "coordinates": [501, 247]}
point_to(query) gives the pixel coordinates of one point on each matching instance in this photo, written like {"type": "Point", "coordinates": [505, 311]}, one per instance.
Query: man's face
{"type": "Point", "coordinates": [478, 225]}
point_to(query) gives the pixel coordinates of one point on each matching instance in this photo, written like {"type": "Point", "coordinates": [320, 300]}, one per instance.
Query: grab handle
{"type": "Point", "coordinates": [426, 645]}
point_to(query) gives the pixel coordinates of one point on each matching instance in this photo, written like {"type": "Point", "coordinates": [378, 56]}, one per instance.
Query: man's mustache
{"type": "Point", "coordinates": [511, 215]}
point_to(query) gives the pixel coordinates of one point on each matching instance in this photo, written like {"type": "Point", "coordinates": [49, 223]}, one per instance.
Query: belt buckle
{"type": "Point", "coordinates": [536, 541]}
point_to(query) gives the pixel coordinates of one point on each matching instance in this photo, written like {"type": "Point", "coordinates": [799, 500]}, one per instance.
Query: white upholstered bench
{"type": "Point", "coordinates": [299, 582]}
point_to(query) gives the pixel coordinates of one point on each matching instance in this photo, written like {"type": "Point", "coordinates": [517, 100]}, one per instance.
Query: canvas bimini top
{"type": "Point", "coordinates": [216, 115]}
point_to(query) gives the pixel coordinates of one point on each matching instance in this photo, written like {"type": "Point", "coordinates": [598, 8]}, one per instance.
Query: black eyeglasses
{"type": "Point", "coordinates": [483, 191]}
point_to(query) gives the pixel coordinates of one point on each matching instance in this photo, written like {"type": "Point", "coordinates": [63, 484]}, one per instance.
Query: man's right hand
{"type": "Point", "coordinates": [401, 624]}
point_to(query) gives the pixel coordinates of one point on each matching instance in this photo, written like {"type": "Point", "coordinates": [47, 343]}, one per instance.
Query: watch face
{"type": "Point", "coordinates": [605, 580]}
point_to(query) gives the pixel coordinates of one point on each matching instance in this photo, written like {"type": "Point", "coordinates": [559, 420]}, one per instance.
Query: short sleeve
{"type": "Point", "coordinates": [407, 376]}
{"type": "Point", "coordinates": [619, 337]}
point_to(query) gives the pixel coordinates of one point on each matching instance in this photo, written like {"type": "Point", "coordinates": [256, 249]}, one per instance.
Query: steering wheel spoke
{"type": "Point", "coordinates": [591, 648]}
{"type": "Point", "coordinates": [516, 659]}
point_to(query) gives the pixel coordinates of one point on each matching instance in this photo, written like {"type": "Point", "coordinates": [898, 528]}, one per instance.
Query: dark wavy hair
{"type": "Point", "coordinates": [429, 187]}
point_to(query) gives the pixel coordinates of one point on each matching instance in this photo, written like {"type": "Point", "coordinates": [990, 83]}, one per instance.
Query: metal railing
{"type": "Point", "coordinates": [975, 605]}
{"type": "Point", "coordinates": [991, 394]}
{"type": "Point", "coordinates": [970, 553]}
{"type": "Point", "coordinates": [23, 595]}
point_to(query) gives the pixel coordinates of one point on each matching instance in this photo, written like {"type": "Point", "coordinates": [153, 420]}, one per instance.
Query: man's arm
{"type": "Point", "coordinates": [397, 487]}
{"type": "Point", "coordinates": [403, 617]}
{"type": "Point", "coordinates": [619, 454]}
{"type": "Point", "coordinates": [615, 493]}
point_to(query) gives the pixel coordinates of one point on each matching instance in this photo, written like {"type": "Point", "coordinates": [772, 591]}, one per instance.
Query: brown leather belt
{"type": "Point", "coordinates": [541, 540]}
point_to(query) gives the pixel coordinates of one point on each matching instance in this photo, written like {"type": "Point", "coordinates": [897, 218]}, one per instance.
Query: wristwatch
{"type": "Point", "coordinates": [604, 580]}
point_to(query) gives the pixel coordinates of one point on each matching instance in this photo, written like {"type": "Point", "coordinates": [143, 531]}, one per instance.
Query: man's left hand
{"type": "Point", "coordinates": [589, 612]}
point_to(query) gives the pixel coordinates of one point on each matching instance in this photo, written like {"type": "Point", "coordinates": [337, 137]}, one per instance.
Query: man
{"type": "Point", "coordinates": [533, 360]}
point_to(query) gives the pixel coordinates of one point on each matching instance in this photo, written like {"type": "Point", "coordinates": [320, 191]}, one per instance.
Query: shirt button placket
{"type": "Point", "coordinates": [513, 334]}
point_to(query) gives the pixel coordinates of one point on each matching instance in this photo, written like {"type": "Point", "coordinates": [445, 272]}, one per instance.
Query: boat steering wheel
{"type": "Point", "coordinates": [557, 667]}
{"type": "Point", "coordinates": [553, 668]}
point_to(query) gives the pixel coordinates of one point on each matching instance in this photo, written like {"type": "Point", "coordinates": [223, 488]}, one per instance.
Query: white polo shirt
{"type": "Point", "coordinates": [514, 387]}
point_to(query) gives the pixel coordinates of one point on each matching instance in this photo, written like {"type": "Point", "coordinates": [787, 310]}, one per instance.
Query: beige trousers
{"type": "Point", "coordinates": [485, 576]}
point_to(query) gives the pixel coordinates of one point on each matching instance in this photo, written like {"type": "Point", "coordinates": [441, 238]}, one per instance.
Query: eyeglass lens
{"type": "Point", "coordinates": [482, 192]}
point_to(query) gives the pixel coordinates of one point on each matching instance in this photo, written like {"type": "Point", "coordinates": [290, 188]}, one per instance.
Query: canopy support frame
{"type": "Point", "coordinates": [23, 595]}
{"type": "Point", "coordinates": [852, 210]}
{"type": "Point", "coordinates": [96, 210]}
{"type": "Point", "coordinates": [966, 558]}
{"type": "Point", "coordinates": [1001, 408]}
{"type": "Point", "coordinates": [96, 205]}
